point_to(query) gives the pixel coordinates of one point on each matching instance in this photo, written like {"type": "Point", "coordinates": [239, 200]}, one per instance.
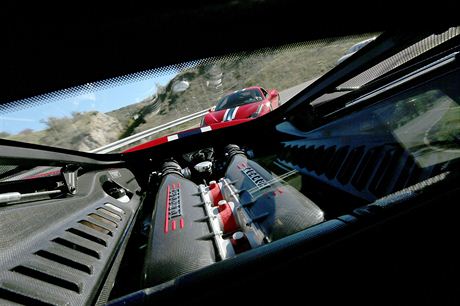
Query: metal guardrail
{"type": "Point", "coordinates": [141, 135]}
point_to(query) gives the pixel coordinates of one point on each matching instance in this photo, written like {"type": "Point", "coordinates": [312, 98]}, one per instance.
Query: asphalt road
{"type": "Point", "coordinates": [416, 134]}
{"type": "Point", "coordinates": [287, 94]}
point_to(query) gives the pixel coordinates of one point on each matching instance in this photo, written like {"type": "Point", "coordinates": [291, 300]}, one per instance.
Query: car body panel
{"type": "Point", "coordinates": [186, 133]}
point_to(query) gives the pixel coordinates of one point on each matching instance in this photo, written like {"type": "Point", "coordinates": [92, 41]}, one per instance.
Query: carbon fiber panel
{"type": "Point", "coordinates": [48, 258]}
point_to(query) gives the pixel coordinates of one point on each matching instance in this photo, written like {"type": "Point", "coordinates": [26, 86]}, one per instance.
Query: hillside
{"type": "Point", "coordinates": [82, 131]}
{"type": "Point", "coordinates": [126, 114]}
{"type": "Point", "coordinates": [85, 131]}
{"type": "Point", "coordinates": [277, 68]}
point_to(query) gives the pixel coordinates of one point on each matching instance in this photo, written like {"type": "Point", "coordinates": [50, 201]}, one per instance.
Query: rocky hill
{"type": "Point", "coordinates": [272, 68]}
{"type": "Point", "coordinates": [82, 131]}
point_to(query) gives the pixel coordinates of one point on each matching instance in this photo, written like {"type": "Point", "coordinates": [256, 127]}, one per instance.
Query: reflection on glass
{"type": "Point", "coordinates": [426, 121]}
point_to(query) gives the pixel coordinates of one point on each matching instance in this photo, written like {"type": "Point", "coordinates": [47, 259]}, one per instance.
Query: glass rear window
{"type": "Point", "coordinates": [166, 100]}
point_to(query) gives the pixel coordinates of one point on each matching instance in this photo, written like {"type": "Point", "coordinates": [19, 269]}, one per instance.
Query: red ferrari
{"type": "Point", "coordinates": [248, 103]}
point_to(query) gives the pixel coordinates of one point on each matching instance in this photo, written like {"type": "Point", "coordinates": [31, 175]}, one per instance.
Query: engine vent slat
{"type": "Point", "coordinates": [21, 299]}
{"type": "Point", "coordinates": [65, 261]}
{"type": "Point", "coordinates": [299, 153]}
{"type": "Point", "coordinates": [404, 174]}
{"type": "Point", "coordinates": [284, 151]}
{"type": "Point", "coordinates": [96, 227]}
{"type": "Point", "coordinates": [104, 220]}
{"type": "Point", "coordinates": [25, 290]}
{"type": "Point", "coordinates": [308, 158]}
{"type": "Point", "coordinates": [317, 158]}
{"type": "Point", "coordinates": [77, 247]}
{"type": "Point", "coordinates": [54, 280]}
{"type": "Point", "coordinates": [87, 236]}
{"type": "Point", "coordinates": [391, 172]}
{"type": "Point", "coordinates": [350, 164]}
{"type": "Point", "coordinates": [288, 154]}
{"type": "Point", "coordinates": [382, 167]}
{"type": "Point", "coordinates": [327, 158]}
{"type": "Point", "coordinates": [294, 156]}
{"type": "Point", "coordinates": [109, 213]}
{"type": "Point", "coordinates": [115, 208]}
{"type": "Point", "coordinates": [385, 172]}
{"type": "Point", "coordinates": [337, 161]}
{"type": "Point", "coordinates": [366, 168]}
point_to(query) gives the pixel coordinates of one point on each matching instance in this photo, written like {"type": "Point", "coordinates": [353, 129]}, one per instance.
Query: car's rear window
{"type": "Point", "coordinates": [116, 114]}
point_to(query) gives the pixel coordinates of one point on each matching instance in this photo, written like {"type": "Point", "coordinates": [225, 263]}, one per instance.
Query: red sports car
{"type": "Point", "coordinates": [247, 103]}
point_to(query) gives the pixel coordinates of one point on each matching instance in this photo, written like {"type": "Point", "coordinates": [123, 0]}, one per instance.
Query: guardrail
{"type": "Point", "coordinates": [136, 137]}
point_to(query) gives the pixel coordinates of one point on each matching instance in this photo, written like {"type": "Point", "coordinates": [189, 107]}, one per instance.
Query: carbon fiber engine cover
{"type": "Point", "coordinates": [175, 244]}
{"type": "Point", "coordinates": [279, 209]}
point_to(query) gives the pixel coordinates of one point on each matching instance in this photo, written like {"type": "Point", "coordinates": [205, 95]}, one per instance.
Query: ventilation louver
{"type": "Point", "coordinates": [65, 263]}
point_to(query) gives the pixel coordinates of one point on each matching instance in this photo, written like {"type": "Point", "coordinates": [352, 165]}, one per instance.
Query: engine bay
{"type": "Point", "coordinates": [214, 209]}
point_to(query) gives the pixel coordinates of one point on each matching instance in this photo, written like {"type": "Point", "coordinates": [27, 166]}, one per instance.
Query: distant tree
{"type": "Point", "coordinates": [57, 124]}
{"type": "Point", "coordinates": [159, 87]}
{"type": "Point", "coordinates": [4, 134]}
{"type": "Point", "coordinates": [76, 115]}
{"type": "Point", "coordinates": [25, 132]}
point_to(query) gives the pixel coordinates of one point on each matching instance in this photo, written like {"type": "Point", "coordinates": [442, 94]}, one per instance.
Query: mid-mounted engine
{"type": "Point", "coordinates": [195, 225]}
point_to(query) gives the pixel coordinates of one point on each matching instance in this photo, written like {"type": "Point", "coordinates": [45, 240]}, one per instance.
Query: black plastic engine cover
{"type": "Point", "coordinates": [175, 247]}
{"type": "Point", "coordinates": [278, 208]}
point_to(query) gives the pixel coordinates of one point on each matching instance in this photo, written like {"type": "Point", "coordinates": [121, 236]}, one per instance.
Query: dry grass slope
{"type": "Point", "coordinates": [278, 68]}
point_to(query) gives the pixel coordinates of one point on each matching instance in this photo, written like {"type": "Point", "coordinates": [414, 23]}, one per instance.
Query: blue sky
{"type": "Point", "coordinates": [101, 100]}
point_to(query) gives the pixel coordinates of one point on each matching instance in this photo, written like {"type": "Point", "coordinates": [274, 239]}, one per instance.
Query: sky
{"type": "Point", "coordinates": [102, 100]}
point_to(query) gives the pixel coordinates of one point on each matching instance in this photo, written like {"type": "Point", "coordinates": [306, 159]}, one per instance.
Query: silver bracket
{"type": "Point", "coordinates": [70, 174]}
